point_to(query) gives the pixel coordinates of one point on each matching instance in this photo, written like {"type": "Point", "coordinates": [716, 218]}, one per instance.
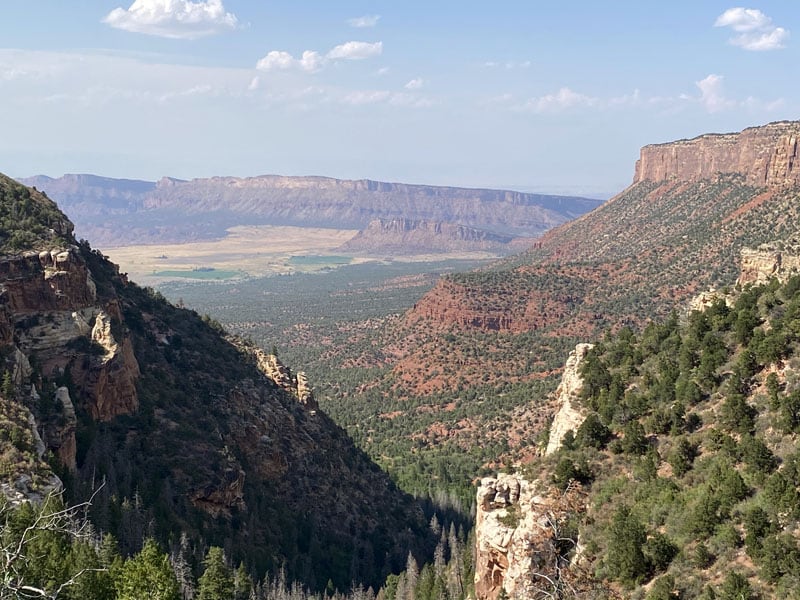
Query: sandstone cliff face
{"type": "Point", "coordinates": [569, 416]}
{"type": "Point", "coordinates": [448, 303]}
{"type": "Point", "coordinates": [47, 300]}
{"type": "Point", "coordinates": [765, 156]}
{"type": "Point", "coordinates": [517, 529]}
{"type": "Point", "coordinates": [779, 260]}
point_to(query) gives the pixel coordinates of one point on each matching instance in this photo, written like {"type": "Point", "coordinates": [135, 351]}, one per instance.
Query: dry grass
{"type": "Point", "coordinates": [256, 251]}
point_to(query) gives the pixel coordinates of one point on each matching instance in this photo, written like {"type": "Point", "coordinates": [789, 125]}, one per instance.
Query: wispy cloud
{"type": "Point", "coordinates": [755, 30]}
{"type": "Point", "coordinates": [367, 97]}
{"type": "Point", "coordinates": [365, 21]}
{"type": "Point", "coordinates": [710, 97]}
{"type": "Point", "coordinates": [563, 99]}
{"type": "Point", "coordinates": [176, 19]}
{"type": "Point", "coordinates": [312, 61]}
{"type": "Point", "coordinates": [712, 94]}
{"type": "Point", "coordinates": [415, 84]}
{"type": "Point", "coordinates": [508, 65]}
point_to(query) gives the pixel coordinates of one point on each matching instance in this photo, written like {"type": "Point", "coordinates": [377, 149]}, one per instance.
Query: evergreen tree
{"type": "Point", "coordinates": [625, 558]}
{"type": "Point", "coordinates": [242, 583]}
{"type": "Point", "coordinates": [216, 582]}
{"type": "Point", "coordinates": [735, 587]}
{"type": "Point", "coordinates": [148, 576]}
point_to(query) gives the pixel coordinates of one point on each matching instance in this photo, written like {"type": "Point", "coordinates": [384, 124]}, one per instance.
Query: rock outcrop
{"type": "Point", "coordinates": [570, 415]}
{"type": "Point", "coordinates": [271, 366]}
{"type": "Point", "coordinates": [518, 537]}
{"type": "Point", "coordinates": [61, 433]}
{"type": "Point", "coordinates": [765, 156]}
{"type": "Point", "coordinates": [780, 260]}
{"type": "Point", "coordinates": [50, 298]}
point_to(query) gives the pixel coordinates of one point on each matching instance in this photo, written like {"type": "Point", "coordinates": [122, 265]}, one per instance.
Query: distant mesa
{"type": "Point", "coordinates": [116, 212]}
{"type": "Point", "coordinates": [410, 235]}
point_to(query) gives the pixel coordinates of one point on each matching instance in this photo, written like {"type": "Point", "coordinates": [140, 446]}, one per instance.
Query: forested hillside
{"type": "Point", "coordinates": [688, 456]}
{"type": "Point", "coordinates": [170, 427]}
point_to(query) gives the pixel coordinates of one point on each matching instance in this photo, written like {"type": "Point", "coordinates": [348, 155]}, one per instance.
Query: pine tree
{"type": "Point", "coordinates": [216, 582]}
{"type": "Point", "coordinates": [242, 583]}
{"type": "Point", "coordinates": [625, 559]}
{"type": "Point", "coordinates": [148, 576]}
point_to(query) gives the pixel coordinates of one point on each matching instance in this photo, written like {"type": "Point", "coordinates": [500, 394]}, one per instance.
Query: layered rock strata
{"type": "Point", "coordinates": [765, 156]}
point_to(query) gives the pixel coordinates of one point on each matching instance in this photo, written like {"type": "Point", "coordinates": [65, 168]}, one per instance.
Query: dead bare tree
{"type": "Point", "coordinates": [15, 550]}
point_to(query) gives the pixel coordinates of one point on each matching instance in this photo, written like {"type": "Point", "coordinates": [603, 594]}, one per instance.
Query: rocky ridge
{"type": "Point", "coordinates": [648, 242]}
{"type": "Point", "coordinates": [779, 260]}
{"type": "Point", "coordinates": [282, 376]}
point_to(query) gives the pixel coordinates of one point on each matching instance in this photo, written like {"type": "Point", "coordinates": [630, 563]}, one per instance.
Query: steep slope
{"type": "Point", "coordinates": [677, 230]}
{"type": "Point", "coordinates": [466, 373]}
{"type": "Point", "coordinates": [680, 477]}
{"type": "Point", "coordinates": [179, 428]}
{"type": "Point", "coordinates": [112, 211]}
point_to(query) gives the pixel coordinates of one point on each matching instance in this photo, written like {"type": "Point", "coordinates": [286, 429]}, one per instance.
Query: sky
{"type": "Point", "coordinates": [550, 96]}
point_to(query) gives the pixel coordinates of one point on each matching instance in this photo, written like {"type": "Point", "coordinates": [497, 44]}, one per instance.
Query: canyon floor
{"type": "Point", "coordinates": [253, 251]}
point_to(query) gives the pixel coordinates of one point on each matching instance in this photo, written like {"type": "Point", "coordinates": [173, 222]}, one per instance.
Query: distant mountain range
{"type": "Point", "coordinates": [113, 212]}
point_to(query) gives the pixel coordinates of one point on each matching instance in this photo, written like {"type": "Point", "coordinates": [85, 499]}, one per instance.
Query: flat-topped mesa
{"type": "Point", "coordinates": [765, 156]}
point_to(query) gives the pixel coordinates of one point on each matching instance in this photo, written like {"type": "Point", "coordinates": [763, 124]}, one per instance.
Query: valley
{"type": "Point", "coordinates": [442, 369]}
{"type": "Point", "coordinates": [399, 301]}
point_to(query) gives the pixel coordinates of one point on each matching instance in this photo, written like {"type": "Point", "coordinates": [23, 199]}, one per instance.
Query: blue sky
{"type": "Point", "coordinates": [535, 95]}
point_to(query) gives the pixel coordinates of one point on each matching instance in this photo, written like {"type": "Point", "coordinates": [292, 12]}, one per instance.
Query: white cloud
{"type": "Point", "coordinates": [755, 30]}
{"type": "Point", "coordinates": [365, 21]}
{"type": "Point", "coordinates": [277, 60]}
{"type": "Point", "coordinates": [312, 61]}
{"type": "Point", "coordinates": [563, 99]}
{"type": "Point", "coordinates": [255, 83]}
{"type": "Point", "coordinates": [382, 71]}
{"type": "Point", "coordinates": [712, 95]}
{"type": "Point", "coordinates": [176, 19]}
{"type": "Point", "coordinates": [356, 50]}
{"type": "Point", "coordinates": [743, 19]}
{"type": "Point", "coordinates": [415, 84]}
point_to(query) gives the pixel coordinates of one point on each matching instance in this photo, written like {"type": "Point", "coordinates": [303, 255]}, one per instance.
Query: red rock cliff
{"type": "Point", "coordinates": [766, 156]}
